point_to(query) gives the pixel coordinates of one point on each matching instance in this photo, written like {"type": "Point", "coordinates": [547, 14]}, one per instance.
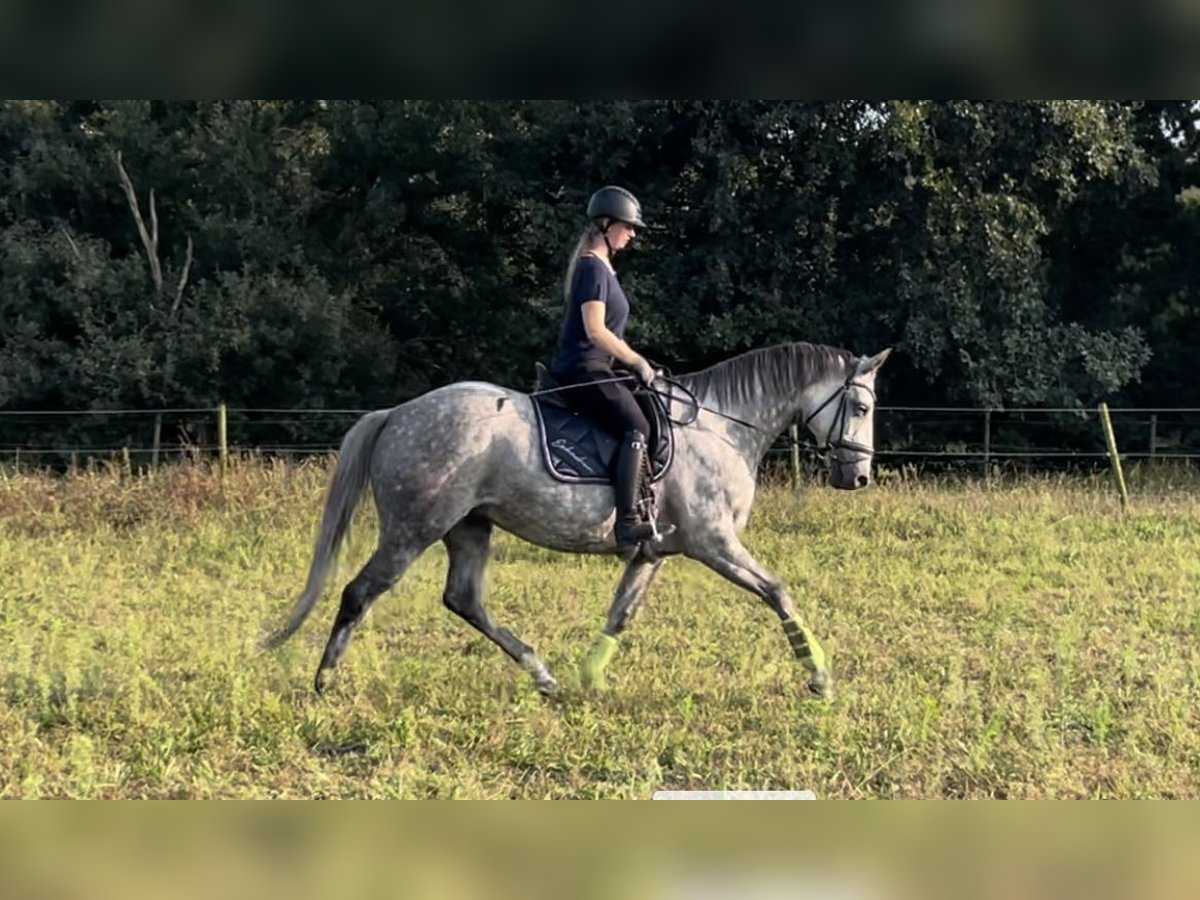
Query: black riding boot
{"type": "Point", "coordinates": [630, 532]}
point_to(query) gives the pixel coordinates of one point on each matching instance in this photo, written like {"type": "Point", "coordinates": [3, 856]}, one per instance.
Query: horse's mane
{"type": "Point", "coordinates": [744, 379]}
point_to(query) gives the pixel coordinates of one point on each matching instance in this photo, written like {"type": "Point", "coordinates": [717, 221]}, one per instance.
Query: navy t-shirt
{"type": "Point", "coordinates": [593, 281]}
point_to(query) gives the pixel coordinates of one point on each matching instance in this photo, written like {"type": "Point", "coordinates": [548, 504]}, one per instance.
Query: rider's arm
{"type": "Point", "coordinates": [598, 334]}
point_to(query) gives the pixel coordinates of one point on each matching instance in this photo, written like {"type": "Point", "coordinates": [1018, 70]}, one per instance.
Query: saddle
{"type": "Point", "coordinates": [578, 451]}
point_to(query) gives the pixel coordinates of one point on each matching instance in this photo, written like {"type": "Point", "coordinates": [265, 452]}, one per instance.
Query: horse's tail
{"type": "Point", "coordinates": [349, 481]}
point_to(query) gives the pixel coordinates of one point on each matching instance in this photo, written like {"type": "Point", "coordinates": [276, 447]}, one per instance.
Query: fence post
{"type": "Point", "coordinates": [1111, 440]}
{"type": "Point", "coordinates": [794, 449]}
{"type": "Point", "coordinates": [126, 463]}
{"type": "Point", "coordinates": [222, 438]}
{"type": "Point", "coordinates": [1153, 435]}
{"type": "Point", "coordinates": [987, 445]}
{"type": "Point", "coordinates": [157, 440]}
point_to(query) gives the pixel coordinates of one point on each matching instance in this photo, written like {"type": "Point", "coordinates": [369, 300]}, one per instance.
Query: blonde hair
{"type": "Point", "coordinates": [589, 234]}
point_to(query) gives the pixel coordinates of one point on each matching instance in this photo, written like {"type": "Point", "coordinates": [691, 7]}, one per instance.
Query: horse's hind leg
{"type": "Point", "coordinates": [385, 567]}
{"type": "Point", "coordinates": [469, 545]}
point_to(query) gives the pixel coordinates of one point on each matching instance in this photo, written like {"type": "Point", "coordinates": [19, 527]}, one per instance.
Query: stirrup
{"type": "Point", "coordinates": [633, 535]}
{"type": "Point", "coordinates": [641, 532]}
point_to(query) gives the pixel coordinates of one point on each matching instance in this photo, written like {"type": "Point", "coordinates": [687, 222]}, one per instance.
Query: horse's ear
{"type": "Point", "coordinates": [871, 363]}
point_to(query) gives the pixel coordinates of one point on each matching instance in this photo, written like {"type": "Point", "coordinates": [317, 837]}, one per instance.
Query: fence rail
{"type": "Point", "coordinates": [962, 436]}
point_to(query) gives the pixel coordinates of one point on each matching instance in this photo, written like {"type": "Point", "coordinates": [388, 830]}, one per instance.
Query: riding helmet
{"type": "Point", "coordinates": [615, 203]}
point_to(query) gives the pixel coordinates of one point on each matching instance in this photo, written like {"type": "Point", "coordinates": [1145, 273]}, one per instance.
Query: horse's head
{"type": "Point", "coordinates": [844, 424]}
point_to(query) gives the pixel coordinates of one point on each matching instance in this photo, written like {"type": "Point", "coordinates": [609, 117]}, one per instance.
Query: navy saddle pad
{"type": "Point", "coordinates": [575, 450]}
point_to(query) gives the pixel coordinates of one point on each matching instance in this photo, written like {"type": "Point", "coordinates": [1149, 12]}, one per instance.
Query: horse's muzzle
{"type": "Point", "coordinates": [851, 481]}
{"type": "Point", "coordinates": [852, 474]}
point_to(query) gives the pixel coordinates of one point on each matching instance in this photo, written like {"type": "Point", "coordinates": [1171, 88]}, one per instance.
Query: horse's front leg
{"type": "Point", "coordinates": [631, 592]}
{"type": "Point", "coordinates": [728, 557]}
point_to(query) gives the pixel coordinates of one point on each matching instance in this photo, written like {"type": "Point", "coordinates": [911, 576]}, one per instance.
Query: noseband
{"type": "Point", "coordinates": [840, 423]}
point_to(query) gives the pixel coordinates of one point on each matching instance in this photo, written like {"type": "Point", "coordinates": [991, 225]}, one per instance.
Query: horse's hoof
{"type": "Point", "coordinates": [593, 681]}
{"type": "Point", "coordinates": [547, 686]}
{"type": "Point", "coordinates": [592, 676]}
{"type": "Point", "coordinates": [541, 676]}
{"type": "Point", "coordinates": [319, 681]}
{"type": "Point", "coordinates": [820, 686]}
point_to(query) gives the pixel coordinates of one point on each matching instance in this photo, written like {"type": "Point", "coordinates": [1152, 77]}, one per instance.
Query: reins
{"type": "Point", "coordinates": [668, 396]}
{"type": "Point", "coordinates": [842, 442]}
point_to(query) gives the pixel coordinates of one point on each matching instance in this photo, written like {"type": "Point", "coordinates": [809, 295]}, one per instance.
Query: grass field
{"type": "Point", "coordinates": [1027, 640]}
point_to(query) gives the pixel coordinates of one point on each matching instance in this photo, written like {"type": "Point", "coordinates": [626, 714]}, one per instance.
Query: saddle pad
{"type": "Point", "coordinates": [577, 451]}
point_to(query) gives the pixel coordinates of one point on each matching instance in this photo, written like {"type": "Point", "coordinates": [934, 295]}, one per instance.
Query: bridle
{"type": "Point", "coordinates": [840, 423]}
{"type": "Point", "coordinates": [841, 419]}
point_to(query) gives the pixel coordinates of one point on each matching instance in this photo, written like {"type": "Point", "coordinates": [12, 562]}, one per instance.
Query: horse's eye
{"type": "Point", "coordinates": [861, 409]}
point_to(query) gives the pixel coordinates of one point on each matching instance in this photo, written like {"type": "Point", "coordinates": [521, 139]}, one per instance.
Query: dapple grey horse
{"type": "Point", "coordinates": [456, 462]}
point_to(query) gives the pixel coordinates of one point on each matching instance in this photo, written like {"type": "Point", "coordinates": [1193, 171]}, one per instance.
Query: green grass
{"type": "Point", "coordinates": [1027, 640]}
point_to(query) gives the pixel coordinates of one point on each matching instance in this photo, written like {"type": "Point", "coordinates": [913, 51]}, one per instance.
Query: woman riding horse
{"type": "Point", "coordinates": [592, 337]}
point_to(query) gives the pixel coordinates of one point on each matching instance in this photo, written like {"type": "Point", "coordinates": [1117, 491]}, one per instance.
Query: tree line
{"type": "Point", "coordinates": [355, 253]}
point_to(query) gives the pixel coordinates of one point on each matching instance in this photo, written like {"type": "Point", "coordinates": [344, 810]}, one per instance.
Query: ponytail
{"type": "Point", "coordinates": [590, 232]}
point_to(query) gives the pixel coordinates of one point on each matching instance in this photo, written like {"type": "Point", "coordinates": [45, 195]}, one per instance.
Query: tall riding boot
{"type": "Point", "coordinates": [630, 532]}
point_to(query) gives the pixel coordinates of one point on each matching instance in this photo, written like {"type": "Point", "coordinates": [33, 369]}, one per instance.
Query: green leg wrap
{"type": "Point", "coordinates": [597, 660]}
{"type": "Point", "coordinates": [806, 647]}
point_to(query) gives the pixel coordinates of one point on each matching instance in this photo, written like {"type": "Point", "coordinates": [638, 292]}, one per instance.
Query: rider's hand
{"type": "Point", "coordinates": [645, 372]}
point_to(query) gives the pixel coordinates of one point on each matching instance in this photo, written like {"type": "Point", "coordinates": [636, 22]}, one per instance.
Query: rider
{"type": "Point", "coordinates": [592, 337]}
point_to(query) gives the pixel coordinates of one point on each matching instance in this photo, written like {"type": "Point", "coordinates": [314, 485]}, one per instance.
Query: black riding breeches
{"type": "Point", "coordinates": [611, 405]}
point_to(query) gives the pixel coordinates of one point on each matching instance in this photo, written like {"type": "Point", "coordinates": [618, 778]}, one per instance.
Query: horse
{"type": "Point", "coordinates": [459, 461]}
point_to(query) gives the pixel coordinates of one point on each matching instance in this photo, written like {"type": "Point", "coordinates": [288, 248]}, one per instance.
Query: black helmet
{"type": "Point", "coordinates": [616, 203]}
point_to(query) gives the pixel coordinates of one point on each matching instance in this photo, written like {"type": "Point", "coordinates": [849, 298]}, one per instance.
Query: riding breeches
{"type": "Point", "coordinates": [610, 404]}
